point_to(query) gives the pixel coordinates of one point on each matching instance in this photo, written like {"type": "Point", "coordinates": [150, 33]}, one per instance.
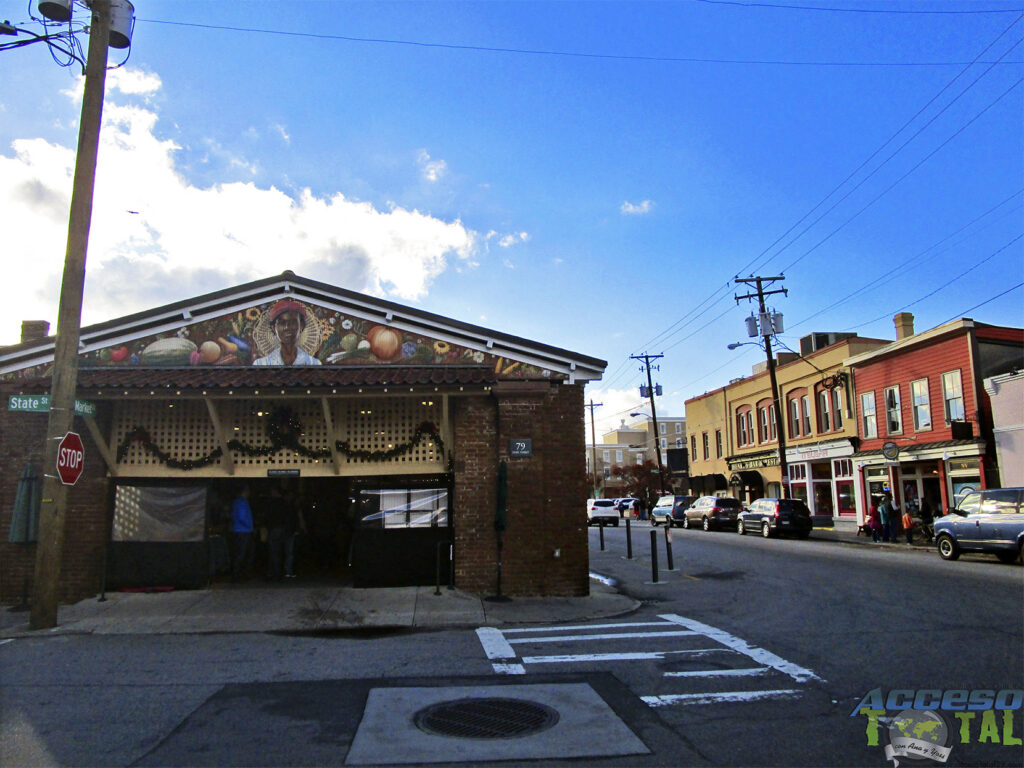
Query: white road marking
{"type": "Point", "coordinates": [494, 643]}
{"type": "Point", "coordinates": [721, 672]}
{"type": "Point", "coordinates": [712, 698]}
{"type": "Point", "coordinates": [509, 669]}
{"type": "Point", "coordinates": [8, 640]}
{"type": "Point", "coordinates": [611, 636]}
{"type": "Point", "coordinates": [760, 655]}
{"type": "Point", "coordinates": [637, 656]}
{"type": "Point", "coordinates": [585, 626]}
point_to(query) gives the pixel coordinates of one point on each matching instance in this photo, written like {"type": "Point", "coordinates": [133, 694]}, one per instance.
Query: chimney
{"type": "Point", "coordinates": [904, 322]}
{"type": "Point", "coordinates": [34, 330]}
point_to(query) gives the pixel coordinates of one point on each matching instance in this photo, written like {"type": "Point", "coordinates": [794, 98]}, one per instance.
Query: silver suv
{"type": "Point", "coordinates": [989, 521]}
{"type": "Point", "coordinates": [713, 512]}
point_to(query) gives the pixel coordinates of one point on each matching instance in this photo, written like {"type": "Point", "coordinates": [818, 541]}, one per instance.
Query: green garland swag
{"type": "Point", "coordinates": [283, 430]}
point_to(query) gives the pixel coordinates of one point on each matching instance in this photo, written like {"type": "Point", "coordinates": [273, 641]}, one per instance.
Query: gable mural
{"type": "Point", "coordinates": [290, 332]}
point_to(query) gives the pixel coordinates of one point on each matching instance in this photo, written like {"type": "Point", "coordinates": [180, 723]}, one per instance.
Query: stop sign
{"type": "Point", "coordinates": [70, 458]}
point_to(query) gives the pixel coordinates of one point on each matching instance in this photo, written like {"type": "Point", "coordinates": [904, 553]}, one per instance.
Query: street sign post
{"type": "Point", "coordinates": [70, 458]}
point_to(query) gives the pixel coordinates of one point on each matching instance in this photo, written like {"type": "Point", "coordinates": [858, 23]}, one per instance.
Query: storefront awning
{"type": "Point", "coordinates": [747, 478]}
{"type": "Point", "coordinates": [312, 377]}
{"type": "Point", "coordinates": [707, 484]}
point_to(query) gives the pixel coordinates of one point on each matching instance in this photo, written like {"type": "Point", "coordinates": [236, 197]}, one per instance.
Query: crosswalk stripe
{"type": "Point", "coordinates": [759, 655]}
{"type": "Point", "coordinates": [636, 656]}
{"type": "Point", "coordinates": [519, 630]}
{"type": "Point", "coordinates": [494, 643]}
{"type": "Point", "coordinates": [611, 636]}
{"type": "Point", "coordinates": [721, 672]}
{"type": "Point", "coordinates": [712, 698]}
{"type": "Point", "coordinates": [509, 669]}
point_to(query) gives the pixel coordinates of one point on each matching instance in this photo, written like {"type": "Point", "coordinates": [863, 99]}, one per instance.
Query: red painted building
{"type": "Point", "coordinates": [923, 417]}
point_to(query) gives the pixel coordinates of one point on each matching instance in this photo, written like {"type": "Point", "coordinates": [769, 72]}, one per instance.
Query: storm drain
{"type": "Point", "coordinates": [486, 718]}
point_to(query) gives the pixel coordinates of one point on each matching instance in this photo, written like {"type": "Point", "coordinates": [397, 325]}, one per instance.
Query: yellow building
{"type": "Point", "coordinates": [708, 426]}
{"type": "Point", "coordinates": [815, 394]}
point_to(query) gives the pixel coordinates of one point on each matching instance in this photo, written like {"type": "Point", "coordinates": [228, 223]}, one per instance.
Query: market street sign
{"type": "Point", "coordinates": [41, 404]}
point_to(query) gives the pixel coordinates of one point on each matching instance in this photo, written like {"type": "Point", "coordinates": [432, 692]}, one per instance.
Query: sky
{"type": "Point", "coordinates": [589, 175]}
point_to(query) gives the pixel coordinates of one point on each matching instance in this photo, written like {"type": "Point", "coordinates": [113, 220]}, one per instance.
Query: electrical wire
{"type": "Point", "coordinates": [982, 304]}
{"type": "Point", "coordinates": [553, 52]}
{"type": "Point", "coordinates": [830, 9]}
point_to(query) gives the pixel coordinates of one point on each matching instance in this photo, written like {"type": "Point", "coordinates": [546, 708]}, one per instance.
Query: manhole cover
{"type": "Point", "coordinates": [486, 718]}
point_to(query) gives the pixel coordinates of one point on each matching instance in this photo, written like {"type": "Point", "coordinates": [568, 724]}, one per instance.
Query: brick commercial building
{"type": "Point", "coordinates": [386, 427]}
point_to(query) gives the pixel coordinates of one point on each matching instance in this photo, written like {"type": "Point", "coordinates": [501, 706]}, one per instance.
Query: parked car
{"type": "Point", "coordinates": [626, 505]}
{"type": "Point", "coordinates": [989, 521]}
{"type": "Point", "coordinates": [602, 512]}
{"type": "Point", "coordinates": [774, 517]}
{"type": "Point", "coordinates": [671, 510]}
{"type": "Point", "coordinates": [713, 512]}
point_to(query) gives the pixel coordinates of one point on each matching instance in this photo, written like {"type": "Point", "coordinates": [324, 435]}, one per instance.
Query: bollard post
{"type": "Point", "coordinates": [654, 556]}
{"type": "Point", "coordinates": [668, 548]}
{"type": "Point", "coordinates": [600, 528]}
{"type": "Point", "coordinates": [629, 542]}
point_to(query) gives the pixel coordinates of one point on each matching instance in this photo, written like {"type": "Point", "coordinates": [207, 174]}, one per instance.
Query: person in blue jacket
{"type": "Point", "coordinates": [241, 534]}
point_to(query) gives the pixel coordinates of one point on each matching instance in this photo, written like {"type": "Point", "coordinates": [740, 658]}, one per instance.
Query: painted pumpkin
{"type": "Point", "coordinates": [385, 343]}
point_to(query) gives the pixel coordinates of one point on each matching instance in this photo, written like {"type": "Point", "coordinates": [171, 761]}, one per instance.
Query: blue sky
{"type": "Point", "coordinates": [589, 175]}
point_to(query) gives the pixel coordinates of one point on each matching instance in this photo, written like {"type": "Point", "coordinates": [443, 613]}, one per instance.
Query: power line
{"type": "Point", "coordinates": [832, 9]}
{"type": "Point", "coordinates": [554, 52]}
{"type": "Point", "coordinates": [986, 301]}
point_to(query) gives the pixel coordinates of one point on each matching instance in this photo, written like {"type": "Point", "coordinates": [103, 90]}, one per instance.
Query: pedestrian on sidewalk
{"type": "Point", "coordinates": [241, 534]}
{"type": "Point", "coordinates": [894, 520]}
{"type": "Point", "coordinates": [875, 523]}
{"type": "Point", "coordinates": [885, 511]}
{"type": "Point", "coordinates": [908, 526]}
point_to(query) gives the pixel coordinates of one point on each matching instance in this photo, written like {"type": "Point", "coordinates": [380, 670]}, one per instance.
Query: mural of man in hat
{"type": "Point", "coordinates": [287, 319]}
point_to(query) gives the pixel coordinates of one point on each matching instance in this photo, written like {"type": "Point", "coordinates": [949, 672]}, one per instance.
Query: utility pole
{"type": "Point", "coordinates": [53, 511]}
{"type": "Point", "coordinates": [654, 413]}
{"type": "Point", "coordinates": [593, 443]}
{"type": "Point", "coordinates": [766, 333]}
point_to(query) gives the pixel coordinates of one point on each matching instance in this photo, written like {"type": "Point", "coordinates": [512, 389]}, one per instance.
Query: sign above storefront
{"type": "Point", "coordinates": [283, 472]}
{"type": "Point", "coordinates": [755, 462]}
{"type": "Point", "coordinates": [891, 451]}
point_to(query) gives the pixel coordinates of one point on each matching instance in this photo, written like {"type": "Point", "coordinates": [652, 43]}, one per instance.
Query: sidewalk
{"type": "Point", "coordinates": [298, 609]}
{"type": "Point", "coordinates": [294, 608]}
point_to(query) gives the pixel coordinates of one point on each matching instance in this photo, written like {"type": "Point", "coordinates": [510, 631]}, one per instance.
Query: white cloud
{"type": "Point", "coordinates": [283, 132]}
{"type": "Point", "coordinates": [432, 170]}
{"type": "Point", "coordinates": [133, 81]}
{"type": "Point", "coordinates": [517, 237]}
{"type": "Point", "coordinates": [187, 240]}
{"type": "Point", "coordinates": [636, 209]}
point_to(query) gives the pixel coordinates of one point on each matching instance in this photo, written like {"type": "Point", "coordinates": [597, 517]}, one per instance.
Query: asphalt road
{"type": "Point", "coordinates": [752, 652]}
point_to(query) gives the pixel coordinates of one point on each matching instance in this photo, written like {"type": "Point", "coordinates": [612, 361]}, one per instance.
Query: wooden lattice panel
{"type": "Point", "coordinates": [180, 428]}
{"type": "Point", "coordinates": [247, 421]}
{"type": "Point", "coordinates": [380, 424]}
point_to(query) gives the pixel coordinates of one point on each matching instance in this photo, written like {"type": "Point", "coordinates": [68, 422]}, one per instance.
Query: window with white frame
{"type": "Point", "coordinates": [639, 459]}
{"type": "Point", "coordinates": [707, 446]}
{"type": "Point", "coordinates": [893, 417]}
{"type": "Point", "coordinates": [618, 457]}
{"type": "Point", "coordinates": [762, 421]}
{"type": "Point", "coordinates": [664, 444]}
{"type": "Point", "coordinates": [794, 418]}
{"type": "Point", "coordinates": [805, 402]}
{"type": "Point", "coordinates": [869, 425]}
{"type": "Point", "coordinates": [742, 436]}
{"type": "Point", "coordinates": [824, 411]}
{"type": "Point", "coordinates": [921, 404]}
{"type": "Point", "coordinates": [679, 427]}
{"type": "Point", "coordinates": [837, 408]}
{"type": "Point", "coordinates": [718, 443]}
{"type": "Point", "coordinates": [661, 427]}
{"type": "Point", "coordinates": [953, 396]}
{"type": "Point", "coordinates": [607, 456]}
{"type": "Point", "coordinates": [693, 447]}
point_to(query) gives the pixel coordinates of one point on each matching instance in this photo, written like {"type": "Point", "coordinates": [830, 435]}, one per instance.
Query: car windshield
{"type": "Point", "coordinates": [728, 502]}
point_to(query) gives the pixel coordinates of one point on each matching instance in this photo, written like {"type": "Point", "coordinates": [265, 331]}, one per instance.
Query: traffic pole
{"type": "Point", "coordinates": [53, 510]}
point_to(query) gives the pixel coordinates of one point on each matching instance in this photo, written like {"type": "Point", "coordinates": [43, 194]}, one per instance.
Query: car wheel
{"type": "Point", "coordinates": [766, 530]}
{"type": "Point", "coordinates": [740, 528]}
{"type": "Point", "coordinates": [947, 546]}
{"type": "Point", "coordinates": [1007, 557]}
{"type": "Point", "coordinates": [686, 522]}
{"type": "Point", "coordinates": [706, 523]}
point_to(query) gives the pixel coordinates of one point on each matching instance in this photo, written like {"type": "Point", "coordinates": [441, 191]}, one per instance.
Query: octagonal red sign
{"type": "Point", "coordinates": [70, 458]}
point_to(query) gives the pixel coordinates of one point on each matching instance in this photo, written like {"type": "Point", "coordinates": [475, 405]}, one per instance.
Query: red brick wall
{"type": "Point", "coordinates": [546, 492]}
{"type": "Point", "coordinates": [22, 437]}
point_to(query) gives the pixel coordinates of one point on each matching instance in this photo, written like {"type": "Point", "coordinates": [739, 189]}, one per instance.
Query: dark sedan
{"type": "Point", "coordinates": [774, 517]}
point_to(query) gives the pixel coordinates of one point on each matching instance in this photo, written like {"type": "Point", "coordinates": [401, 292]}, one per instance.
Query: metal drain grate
{"type": "Point", "coordinates": [492, 718]}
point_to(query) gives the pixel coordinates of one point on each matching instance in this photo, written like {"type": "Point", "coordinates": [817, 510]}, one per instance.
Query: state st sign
{"type": "Point", "coordinates": [70, 458]}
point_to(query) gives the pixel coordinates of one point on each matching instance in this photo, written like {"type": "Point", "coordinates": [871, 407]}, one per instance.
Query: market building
{"type": "Point", "coordinates": [924, 417]}
{"type": "Point", "coordinates": [398, 433]}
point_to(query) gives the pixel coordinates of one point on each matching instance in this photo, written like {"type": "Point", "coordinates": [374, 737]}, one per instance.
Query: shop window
{"type": "Point", "coordinates": [693, 447]}
{"type": "Point", "coordinates": [893, 416]}
{"type": "Point", "coordinates": [745, 426]}
{"type": "Point", "coordinates": [794, 417]}
{"type": "Point", "coordinates": [869, 426]}
{"type": "Point", "coordinates": [842, 468]}
{"type": "Point", "coordinates": [921, 405]}
{"type": "Point", "coordinates": [953, 396]}
{"type": "Point", "coordinates": [824, 411]}
{"type": "Point", "coordinates": [403, 508]}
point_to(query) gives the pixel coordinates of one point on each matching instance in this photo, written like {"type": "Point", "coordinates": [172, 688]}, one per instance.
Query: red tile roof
{"type": "Point", "coordinates": [280, 377]}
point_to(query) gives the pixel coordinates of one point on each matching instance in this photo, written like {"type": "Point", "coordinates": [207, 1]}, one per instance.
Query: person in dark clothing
{"type": "Point", "coordinates": [277, 524]}
{"type": "Point", "coordinates": [241, 534]}
{"type": "Point", "coordinates": [927, 518]}
{"type": "Point", "coordinates": [293, 525]}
